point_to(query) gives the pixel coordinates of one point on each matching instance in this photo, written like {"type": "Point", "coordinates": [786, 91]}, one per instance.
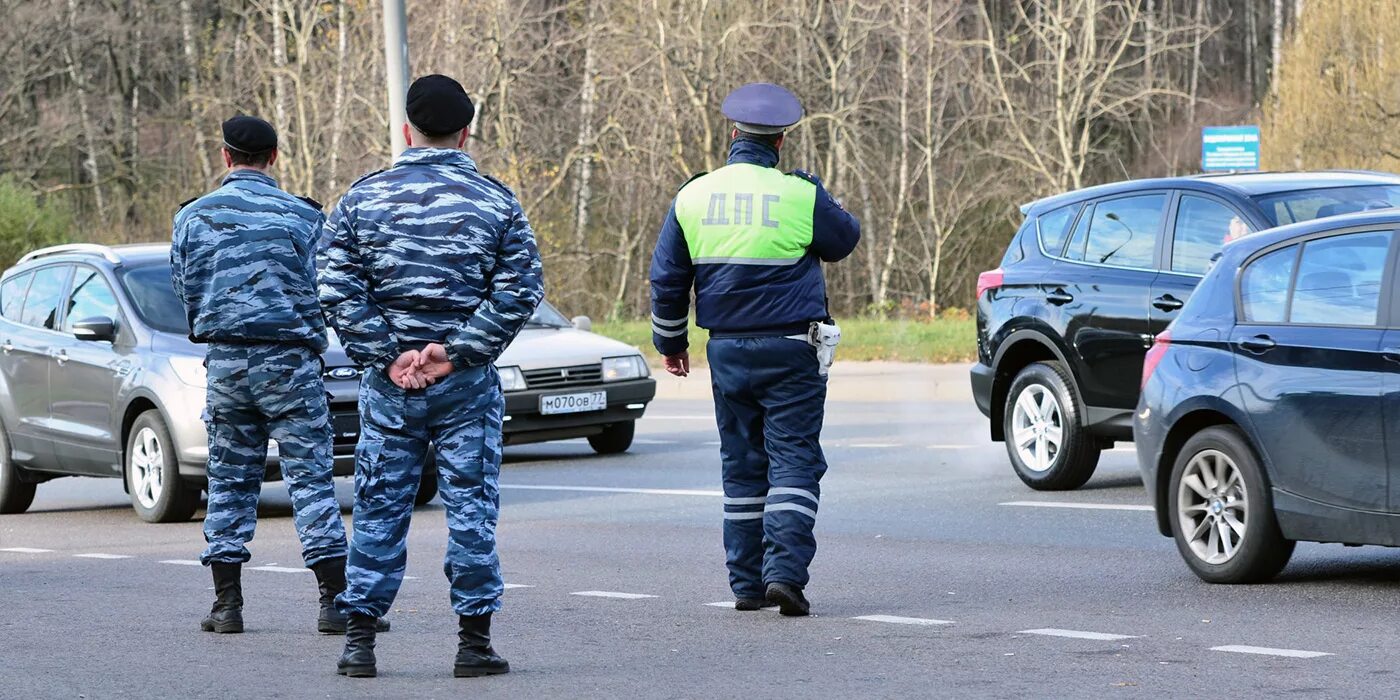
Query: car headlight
{"type": "Point", "coordinates": [616, 369]}
{"type": "Point", "coordinates": [511, 379]}
{"type": "Point", "coordinates": [190, 370]}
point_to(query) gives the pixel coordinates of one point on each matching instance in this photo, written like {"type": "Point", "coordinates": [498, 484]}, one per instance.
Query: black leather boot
{"type": "Point", "coordinates": [475, 657]}
{"type": "Point", "coordinates": [226, 617]}
{"type": "Point", "coordinates": [789, 599]}
{"type": "Point", "coordinates": [330, 578]}
{"type": "Point", "coordinates": [358, 659]}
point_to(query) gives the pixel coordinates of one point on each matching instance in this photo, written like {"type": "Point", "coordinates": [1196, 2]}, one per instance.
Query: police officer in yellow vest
{"type": "Point", "coordinates": [750, 239]}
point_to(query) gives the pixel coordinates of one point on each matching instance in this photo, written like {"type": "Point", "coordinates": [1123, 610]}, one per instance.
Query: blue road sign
{"type": "Point", "coordinates": [1230, 148]}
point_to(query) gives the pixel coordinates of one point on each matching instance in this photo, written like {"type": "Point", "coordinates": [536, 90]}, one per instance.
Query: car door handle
{"type": "Point", "coordinates": [1391, 353]}
{"type": "Point", "coordinates": [1059, 297]}
{"type": "Point", "coordinates": [7, 347]}
{"type": "Point", "coordinates": [1258, 344]}
{"type": "Point", "coordinates": [61, 357]}
{"type": "Point", "coordinates": [1167, 302]}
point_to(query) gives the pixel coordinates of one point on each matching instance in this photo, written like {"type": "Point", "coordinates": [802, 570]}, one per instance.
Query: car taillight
{"type": "Point", "coordinates": [1155, 355]}
{"type": "Point", "coordinates": [988, 280]}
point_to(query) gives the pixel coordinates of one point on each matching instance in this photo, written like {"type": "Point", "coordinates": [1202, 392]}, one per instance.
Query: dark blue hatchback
{"type": "Point", "coordinates": [1270, 409]}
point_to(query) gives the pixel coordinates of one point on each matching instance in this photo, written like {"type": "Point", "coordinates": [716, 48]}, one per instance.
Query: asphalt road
{"type": "Point", "coordinates": [926, 584]}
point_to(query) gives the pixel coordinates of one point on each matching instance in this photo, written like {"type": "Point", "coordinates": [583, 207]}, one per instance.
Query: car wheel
{"type": "Point", "coordinates": [1048, 447]}
{"type": "Point", "coordinates": [614, 439]}
{"type": "Point", "coordinates": [427, 483]}
{"type": "Point", "coordinates": [16, 495]}
{"type": "Point", "coordinates": [158, 494]}
{"type": "Point", "coordinates": [1222, 516]}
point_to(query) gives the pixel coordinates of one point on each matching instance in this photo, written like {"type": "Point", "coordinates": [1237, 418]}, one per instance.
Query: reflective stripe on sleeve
{"type": "Point", "coordinates": [747, 516]}
{"type": "Point", "coordinates": [745, 500]}
{"type": "Point", "coordinates": [667, 332]}
{"type": "Point", "coordinates": [669, 323]}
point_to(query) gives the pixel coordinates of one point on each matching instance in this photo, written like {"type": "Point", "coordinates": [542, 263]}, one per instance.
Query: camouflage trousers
{"type": "Point", "coordinates": [460, 416]}
{"type": "Point", "coordinates": [258, 392]}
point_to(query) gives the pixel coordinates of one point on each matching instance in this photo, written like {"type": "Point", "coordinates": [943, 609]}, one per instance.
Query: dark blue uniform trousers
{"type": "Point", "coordinates": [769, 401]}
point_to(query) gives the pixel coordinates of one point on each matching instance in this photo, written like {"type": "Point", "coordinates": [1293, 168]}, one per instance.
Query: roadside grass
{"type": "Point", "coordinates": [946, 339]}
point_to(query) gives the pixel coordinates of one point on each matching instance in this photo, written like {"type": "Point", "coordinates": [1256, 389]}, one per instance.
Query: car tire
{"type": "Point", "coordinates": [614, 439]}
{"type": "Point", "coordinates": [427, 482]}
{"type": "Point", "coordinates": [1228, 501]}
{"type": "Point", "coordinates": [16, 494]}
{"type": "Point", "coordinates": [152, 473]}
{"type": "Point", "coordinates": [1053, 413]}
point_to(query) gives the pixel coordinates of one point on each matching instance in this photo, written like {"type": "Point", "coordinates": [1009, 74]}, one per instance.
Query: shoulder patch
{"type": "Point", "coordinates": [184, 204]}
{"type": "Point", "coordinates": [806, 176]}
{"type": "Point", "coordinates": [314, 204]}
{"type": "Point", "coordinates": [693, 178]}
{"type": "Point", "coordinates": [499, 184]}
{"type": "Point", "coordinates": [367, 176]}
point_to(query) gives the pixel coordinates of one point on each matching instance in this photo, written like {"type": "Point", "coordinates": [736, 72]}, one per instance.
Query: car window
{"type": "Point", "coordinates": [1123, 232]}
{"type": "Point", "coordinates": [91, 298]}
{"type": "Point", "coordinates": [1306, 205]}
{"type": "Point", "coordinates": [1202, 226]}
{"type": "Point", "coordinates": [1339, 280]}
{"type": "Point", "coordinates": [12, 295]}
{"type": "Point", "coordinates": [152, 294]}
{"type": "Point", "coordinates": [1054, 228]}
{"type": "Point", "coordinates": [1264, 286]}
{"type": "Point", "coordinates": [41, 304]}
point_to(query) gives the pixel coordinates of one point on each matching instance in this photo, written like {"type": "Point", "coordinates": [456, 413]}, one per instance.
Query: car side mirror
{"type": "Point", "coordinates": [95, 328]}
{"type": "Point", "coordinates": [583, 323]}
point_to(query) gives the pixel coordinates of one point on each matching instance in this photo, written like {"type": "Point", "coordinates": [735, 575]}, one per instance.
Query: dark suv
{"type": "Point", "coordinates": [1089, 280]}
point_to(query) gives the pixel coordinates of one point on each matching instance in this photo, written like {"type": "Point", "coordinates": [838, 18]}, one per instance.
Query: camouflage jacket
{"type": "Point", "coordinates": [243, 261]}
{"type": "Point", "coordinates": [429, 251]}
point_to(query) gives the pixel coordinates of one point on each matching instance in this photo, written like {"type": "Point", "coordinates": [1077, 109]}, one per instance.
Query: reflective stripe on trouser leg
{"type": "Point", "coordinates": [237, 457]}
{"type": "Point", "coordinates": [388, 466]}
{"type": "Point", "coordinates": [291, 393]}
{"type": "Point", "coordinates": [745, 467]}
{"type": "Point", "coordinates": [465, 413]}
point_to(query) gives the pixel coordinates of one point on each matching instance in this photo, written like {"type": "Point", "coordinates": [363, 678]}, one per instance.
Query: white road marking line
{"type": "Point", "coordinates": [280, 569]}
{"type": "Point", "coordinates": [183, 562]}
{"type": "Point", "coordinates": [1266, 651]}
{"type": "Point", "coordinates": [897, 620]}
{"type": "Point", "coordinates": [410, 578]}
{"type": "Point", "coordinates": [951, 447]}
{"type": "Point", "coordinates": [1077, 634]}
{"type": "Point", "coordinates": [25, 550]}
{"type": "Point", "coordinates": [613, 594]}
{"type": "Point", "coordinates": [100, 555]}
{"type": "Point", "coordinates": [874, 444]}
{"type": "Point", "coordinates": [509, 586]}
{"type": "Point", "coordinates": [729, 605]}
{"type": "Point", "coordinates": [610, 489]}
{"type": "Point", "coordinates": [1083, 506]}
{"type": "Point", "coordinates": [645, 441]}
{"type": "Point", "coordinates": [713, 443]}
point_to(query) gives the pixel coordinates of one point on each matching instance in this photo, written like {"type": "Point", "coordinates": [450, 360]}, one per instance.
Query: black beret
{"type": "Point", "coordinates": [438, 106]}
{"type": "Point", "coordinates": [249, 134]}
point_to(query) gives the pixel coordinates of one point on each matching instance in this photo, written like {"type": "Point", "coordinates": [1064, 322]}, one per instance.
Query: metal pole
{"type": "Point", "coordinates": [396, 69]}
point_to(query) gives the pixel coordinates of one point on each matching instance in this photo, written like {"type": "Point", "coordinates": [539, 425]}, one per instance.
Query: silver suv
{"type": "Point", "coordinates": [99, 378]}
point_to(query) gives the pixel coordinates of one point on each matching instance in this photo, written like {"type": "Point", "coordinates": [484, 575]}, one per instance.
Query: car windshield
{"type": "Point", "coordinates": [548, 317]}
{"type": "Point", "coordinates": [1304, 205]}
{"type": "Point", "coordinates": [153, 295]}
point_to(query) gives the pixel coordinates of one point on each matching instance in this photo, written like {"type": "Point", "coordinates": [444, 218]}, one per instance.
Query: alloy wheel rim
{"type": "Point", "coordinates": [1212, 507]}
{"type": "Point", "coordinates": [147, 468]}
{"type": "Point", "coordinates": [1037, 427]}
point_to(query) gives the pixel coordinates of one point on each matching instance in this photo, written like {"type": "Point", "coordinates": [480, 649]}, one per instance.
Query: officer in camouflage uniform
{"type": "Point", "coordinates": [430, 272]}
{"type": "Point", "coordinates": [750, 240]}
{"type": "Point", "coordinates": [243, 262]}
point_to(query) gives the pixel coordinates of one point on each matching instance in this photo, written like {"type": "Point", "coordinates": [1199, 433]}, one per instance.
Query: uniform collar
{"type": "Point", "coordinates": [249, 175]}
{"type": "Point", "coordinates": [752, 152]}
{"type": "Point", "coordinates": [436, 156]}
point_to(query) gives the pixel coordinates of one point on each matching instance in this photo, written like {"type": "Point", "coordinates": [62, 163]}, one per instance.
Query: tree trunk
{"type": "Point", "coordinates": [1199, 29]}
{"type": "Point", "coordinates": [583, 185]}
{"type": "Point", "coordinates": [902, 189]}
{"type": "Point", "coordinates": [80, 92]}
{"type": "Point", "coordinates": [1251, 44]}
{"type": "Point", "coordinates": [201, 145]}
{"type": "Point", "coordinates": [342, 26]}
{"type": "Point", "coordinates": [279, 67]}
{"type": "Point", "coordinates": [1275, 48]}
